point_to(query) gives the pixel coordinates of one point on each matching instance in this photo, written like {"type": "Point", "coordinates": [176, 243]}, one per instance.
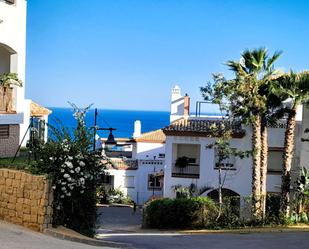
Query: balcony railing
{"type": "Point", "coordinates": [6, 100]}
{"type": "Point", "coordinates": [128, 164]}
{"type": "Point", "coordinates": [190, 171]}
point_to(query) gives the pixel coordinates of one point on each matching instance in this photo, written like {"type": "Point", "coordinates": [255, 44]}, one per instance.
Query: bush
{"type": "Point", "coordinates": [112, 196]}
{"type": "Point", "coordinates": [76, 171]}
{"type": "Point", "coordinates": [180, 213]}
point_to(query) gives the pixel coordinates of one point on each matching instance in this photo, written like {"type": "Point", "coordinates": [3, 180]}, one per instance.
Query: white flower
{"type": "Point", "coordinates": [77, 169]}
{"type": "Point", "coordinates": [82, 191]}
{"type": "Point", "coordinates": [51, 158]}
{"type": "Point", "coordinates": [63, 183]}
{"type": "Point", "coordinates": [82, 180]}
{"type": "Point", "coordinates": [62, 196]}
{"type": "Point", "coordinates": [69, 179]}
{"type": "Point", "coordinates": [58, 207]}
{"type": "Point", "coordinates": [69, 164]}
{"type": "Point", "coordinates": [62, 170]}
{"type": "Point", "coordinates": [70, 158]}
{"type": "Point", "coordinates": [63, 189]}
{"type": "Point", "coordinates": [81, 163]}
{"type": "Point", "coordinates": [72, 171]}
{"type": "Point", "coordinates": [66, 175]}
{"type": "Point", "coordinates": [54, 187]}
{"type": "Point", "coordinates": [68, 194]}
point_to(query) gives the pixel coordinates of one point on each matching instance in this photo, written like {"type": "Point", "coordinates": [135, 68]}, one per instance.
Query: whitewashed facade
{"type": "Point", "coordinates": [202, 170]}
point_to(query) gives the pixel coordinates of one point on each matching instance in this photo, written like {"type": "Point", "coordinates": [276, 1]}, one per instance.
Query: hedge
{"type": "Point", "coordinates": [180, 213]}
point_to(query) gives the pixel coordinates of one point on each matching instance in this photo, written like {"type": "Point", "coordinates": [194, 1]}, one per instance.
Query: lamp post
{"type": "Point", "coordinates": [110, 140]}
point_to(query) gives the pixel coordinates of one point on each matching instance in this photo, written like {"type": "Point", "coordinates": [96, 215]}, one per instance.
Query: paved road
{"type": "Point", "coordinates": [297, 240]}
{"type": "Point", "coordinates": [118, 219]}
{"type": "Point", "coordinates": [16, 237]}
{"type": "Point", "coordinates": [118, 224]}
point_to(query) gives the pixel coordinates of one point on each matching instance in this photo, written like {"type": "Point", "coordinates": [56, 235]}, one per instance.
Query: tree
{"type": "Point", "coordinates": [254, 71]}
{"type": "Point", "coordinates": [295, 88]}
{"type": "Point", "coordinates": [246, 101]}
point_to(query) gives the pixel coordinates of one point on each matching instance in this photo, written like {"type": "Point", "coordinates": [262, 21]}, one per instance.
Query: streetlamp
{"type": "Point", "coordinates": [110, 142]}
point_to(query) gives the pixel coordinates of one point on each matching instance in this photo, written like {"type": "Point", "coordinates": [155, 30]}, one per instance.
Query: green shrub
{"type": "Point", "coordinates": [75, 171]}
{"type": "Point", "coordinates": [180, 213]}
{"type": "Point", "coordinates": [112, 196]}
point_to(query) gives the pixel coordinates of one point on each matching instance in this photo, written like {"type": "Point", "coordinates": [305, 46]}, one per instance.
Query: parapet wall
{"type": "Point", "coordinates": [25, 199]}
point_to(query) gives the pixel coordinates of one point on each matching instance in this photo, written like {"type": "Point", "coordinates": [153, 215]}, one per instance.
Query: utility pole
{"type": "Point", "coordinates": [95, 127]}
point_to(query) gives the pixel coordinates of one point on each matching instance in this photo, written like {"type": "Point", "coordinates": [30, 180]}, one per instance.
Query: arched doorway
{"type": "Point", "coordinates": [230, 199]}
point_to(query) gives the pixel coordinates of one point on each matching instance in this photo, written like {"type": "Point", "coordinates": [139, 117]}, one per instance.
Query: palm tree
{"type": "Point", "coordinates": [253, 72]}
{"type": "Point", "coordinates": [295, 88]}
{"type": "Point", "coordinates": [7, 80]}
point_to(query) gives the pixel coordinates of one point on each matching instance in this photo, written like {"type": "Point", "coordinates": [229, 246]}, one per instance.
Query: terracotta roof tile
{"type": "Point", "coordinates": [201, 127]}
{"type": "Point", "coordinates": [36, 110]}
{"type": "Point", "coordinates": [156, 136]}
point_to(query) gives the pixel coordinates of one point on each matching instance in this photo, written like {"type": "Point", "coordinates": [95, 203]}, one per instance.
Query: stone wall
{"type": "Point", "coordinates": [25, 199]}
{"type": "Point", "coordinates": [9, 145]}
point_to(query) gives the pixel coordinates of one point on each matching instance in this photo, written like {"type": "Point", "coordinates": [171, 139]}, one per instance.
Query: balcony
{"type": "Point", "coordinates": [126, 164]}
{"type": "Point", "coordinates": [189, 171]}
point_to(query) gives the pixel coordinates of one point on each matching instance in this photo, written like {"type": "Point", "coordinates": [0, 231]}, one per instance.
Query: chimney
{"type": "Point", "coordinates": [137, 129]}
{"type": "Point", "coordinates": [186, 106]}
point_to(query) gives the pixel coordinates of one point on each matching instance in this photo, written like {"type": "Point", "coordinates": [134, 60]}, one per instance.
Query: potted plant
{"type": "Point", "coordinates": [182, 162]}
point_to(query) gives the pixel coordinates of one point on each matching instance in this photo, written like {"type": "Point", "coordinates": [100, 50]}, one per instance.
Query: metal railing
{"type": "Point", "coordinates": [190, 171]}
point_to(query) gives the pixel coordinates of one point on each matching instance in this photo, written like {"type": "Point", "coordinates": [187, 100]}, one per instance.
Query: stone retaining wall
{"type": "Point", "coordinates": [25, 199]}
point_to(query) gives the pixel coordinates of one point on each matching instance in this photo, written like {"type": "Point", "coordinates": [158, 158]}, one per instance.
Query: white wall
{"type": "Point", "coordinates": [238, 180]}
{"type": "Point", "coordinates": [13, 39]}
{"type": "Point", "coordinates": [148, 151]}
{"type": "Point", "coordinates": [140, 192]}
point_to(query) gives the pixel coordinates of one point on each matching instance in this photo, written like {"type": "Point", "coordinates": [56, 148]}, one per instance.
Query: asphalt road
{"type": "Point", "coordinates": [121, 225]}
{"type": "Point", "coordinates": [16, 237]}
{"type": "Point", "coordinates": [297, 240]}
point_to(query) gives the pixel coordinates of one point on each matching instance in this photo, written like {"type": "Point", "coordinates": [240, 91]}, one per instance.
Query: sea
{"type": "Point", "coordinates": [121, 120]}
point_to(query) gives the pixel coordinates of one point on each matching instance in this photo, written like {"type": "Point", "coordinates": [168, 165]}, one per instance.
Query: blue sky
{"type": "Point", "coordinates": [127, 54]}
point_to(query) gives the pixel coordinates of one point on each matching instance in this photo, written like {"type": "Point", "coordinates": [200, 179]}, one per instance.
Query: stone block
{"type": "Point", "coordinates": [11, 174]}
{"type": "Point", "coordinates": [26, 209]}
{"type": "Point", "coordinates": [26, 218]}
{"type": "Point", "coordinates": [18, 175]}
{"type": "Point", "coordinates": [8, 182]}
{"type": "Point", "coordinates": [12, 206]}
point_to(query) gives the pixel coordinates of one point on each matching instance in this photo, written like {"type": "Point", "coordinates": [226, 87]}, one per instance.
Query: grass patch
{"type": "Point", "coordinates": [20, 163]}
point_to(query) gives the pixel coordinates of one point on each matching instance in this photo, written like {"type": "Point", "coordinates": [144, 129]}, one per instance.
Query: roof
{"type": "Point", "coordinates": [156, 136]}
{"type": "Point", "coordinates": [201, 128]}
{"type": "Point", "coordinates": [36, 110]}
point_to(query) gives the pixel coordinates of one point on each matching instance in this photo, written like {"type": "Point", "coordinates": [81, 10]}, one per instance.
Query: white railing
{"type": "Point", "coordinates": [190, 171]}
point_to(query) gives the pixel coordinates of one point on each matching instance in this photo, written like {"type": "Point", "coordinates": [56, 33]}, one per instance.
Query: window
{"type": "Point", "coordinates": [129, 182]}
{"type": "Point", "coordinates": [154, 182]}
{"type": "Point", "coordinates": [161, 155]}
{"type": "Point", "coordinates": [4, 131]}
{"type": "Point", "coordinates": [108, 180]}
{"type": "Point", "coordinates": [275, 160]}
{"type": "Point", "coordinates": [227, 164]}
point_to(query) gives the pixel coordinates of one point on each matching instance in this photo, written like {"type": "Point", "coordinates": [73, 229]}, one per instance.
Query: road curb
{"type": "Point", "coordinates": [246, 231]}
{"type": "Point", "coordinates": [83, 239]}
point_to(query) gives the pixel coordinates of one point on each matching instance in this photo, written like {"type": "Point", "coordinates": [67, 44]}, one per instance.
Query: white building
{"type": "Point", "coordinates": [140, 173]}
{"type": "Point", "coordinates": [15, 110]}
{"type": "Point", "coordinates": [189, 136]}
